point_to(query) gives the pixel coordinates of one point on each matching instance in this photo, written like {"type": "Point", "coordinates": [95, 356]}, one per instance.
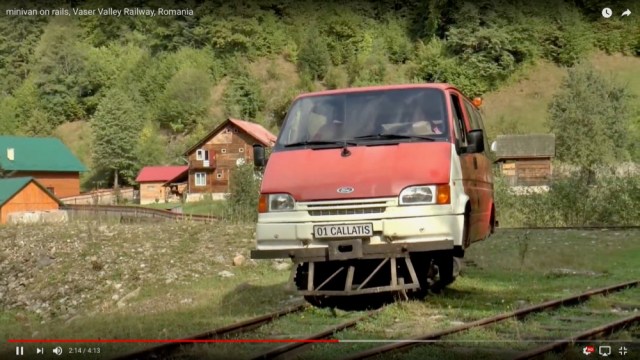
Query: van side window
{"type": "Point", "coordinates": [458, 119]}
{"type": "Point", "coordinates": [474, 116]}
{"type": "Point", "coordinates": [476, 120]}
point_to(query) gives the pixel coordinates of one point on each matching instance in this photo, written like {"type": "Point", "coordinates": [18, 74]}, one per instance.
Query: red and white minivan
{"type": "Point", "coordinates": [375, 189]}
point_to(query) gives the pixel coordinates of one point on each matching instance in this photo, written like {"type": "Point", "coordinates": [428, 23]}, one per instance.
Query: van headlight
{"type": "Point", "coordinates": [425, 195]}
{"type": "Point", "coordinates": [275, 202]}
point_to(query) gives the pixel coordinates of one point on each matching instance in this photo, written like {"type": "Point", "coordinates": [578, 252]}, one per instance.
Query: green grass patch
{"type": "Point", "coordinates": [204, 207]}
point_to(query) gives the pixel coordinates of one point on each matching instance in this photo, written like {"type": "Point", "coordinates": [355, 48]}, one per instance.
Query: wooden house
{"type": "Point", "coordinates": [47, 160]}
{"type": "Point", "coordinates": [525, 160]}
{"type": "Point", "coordinates": [24, 194]}
{"type": "Point", "coordinates": [153, 183]}
{"type": "Point", "coordinates": [213, 158]}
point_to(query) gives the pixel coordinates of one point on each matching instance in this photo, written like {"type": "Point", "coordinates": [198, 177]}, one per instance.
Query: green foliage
{"type": "Point", "coordinates": [116, 129]}
{"type": "Point", "coordinates": [8, 121]}
{"type": "Point", "coordinates": [151, 148]}
{"type": "Point", "coordinates": [590, 117]}
{"type": "Point", "coordinates": [566, 43]}
{"type": "Point", "coordinates": [433, 65]}
{"type": "Point", "coordinates": [59, 71]}
{"type": "Point", "coordinates": [572, 201]}
{"type": "Point", "coordinates": [618, 35]}
{"type": "Point", "coordinates": [336, 78]}
{"type": "Point", "coordinates": [244, 191]}
{"type": "Point", "coordinates": [243, 98]}
{"type": "Point", "coordinates": [20, 35]}
{"type": "Point", "coordinates": [185, 100]}
{"type": "Point", "coordinates": [367, 70]}
{"type": "Point", "coordinates": [397, 43]}
{"type": "Point", "coordinates": [253, 35]}
{"type": "Point", "coordinates": [38, 124]}
{"type": "Point", "coordinates": [313, 57]}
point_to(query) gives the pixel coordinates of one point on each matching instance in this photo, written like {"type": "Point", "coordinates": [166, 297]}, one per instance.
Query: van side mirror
{"type": "Point", "coordinates": [259, 159]}
{"type": "Point", "coordinates": [475, 140]}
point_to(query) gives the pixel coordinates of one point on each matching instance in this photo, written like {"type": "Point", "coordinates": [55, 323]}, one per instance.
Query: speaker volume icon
{"type": "Point", "coordinates": [57, 351]}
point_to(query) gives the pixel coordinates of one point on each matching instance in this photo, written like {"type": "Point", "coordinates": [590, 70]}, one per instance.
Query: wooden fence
{"type": "Point", "coordinates": [125, 213]}
{"type": "Point", "coordinates": [100, 197]}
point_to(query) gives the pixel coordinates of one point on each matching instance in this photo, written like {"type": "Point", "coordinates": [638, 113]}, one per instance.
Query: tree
{"type": "Point", "coordinates": [185, 100]}
{"type": "Point", "coordinates": [59, 72]}
{"type": "Point", "coordinates": [8, 121]}
{"type": "Point", "coordinates": [116, 129]}
{"type": "Point", "coordinates": [313, 57]}
{"type": "Point", "coordinates": [590, 117]}
{"type": "Point", "coordinates": [38, 124]}
{"type": "Point", "coordinates": [152, 147]}
{"type": "Point", "coordinates": [243, 98]}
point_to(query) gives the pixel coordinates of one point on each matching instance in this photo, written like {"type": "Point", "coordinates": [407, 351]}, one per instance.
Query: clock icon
{"type": "Point", "coordinates": [606, 13]}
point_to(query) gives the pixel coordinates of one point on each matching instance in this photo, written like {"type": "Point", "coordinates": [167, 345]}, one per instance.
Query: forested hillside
{"type": "Point", "coordinates": [155, 84]}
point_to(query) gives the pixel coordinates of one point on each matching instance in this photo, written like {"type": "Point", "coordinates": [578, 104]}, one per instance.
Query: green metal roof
{"type": "Point", "coordinates": [37, 154]}
{"type": "Point", "coordinates": [11, 186]}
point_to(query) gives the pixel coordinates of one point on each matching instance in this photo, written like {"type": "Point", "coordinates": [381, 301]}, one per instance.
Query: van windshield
{"type": "Point", "coordinates": [371, 116]}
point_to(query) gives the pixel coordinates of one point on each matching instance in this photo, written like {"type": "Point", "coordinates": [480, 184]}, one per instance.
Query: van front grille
{"type": "Point", "coordinates": [352, 211]}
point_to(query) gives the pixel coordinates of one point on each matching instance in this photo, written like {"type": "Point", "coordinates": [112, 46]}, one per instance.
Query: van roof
{"type": "Point", "coordinates": [442, 86]}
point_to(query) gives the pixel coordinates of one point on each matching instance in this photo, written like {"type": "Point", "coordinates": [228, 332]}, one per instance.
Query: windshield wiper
{"type": "Point", "coordinates": [337, 143]}
{"type": "Point", "coordinates": [394, 136]}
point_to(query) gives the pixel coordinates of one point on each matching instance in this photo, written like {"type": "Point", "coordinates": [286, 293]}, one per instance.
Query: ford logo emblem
{"type": "Point", "coordinates": [345, 190]}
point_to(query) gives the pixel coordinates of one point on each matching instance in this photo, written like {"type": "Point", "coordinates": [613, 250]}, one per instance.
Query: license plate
{"type": "Point", "coordinates": [343, 231]}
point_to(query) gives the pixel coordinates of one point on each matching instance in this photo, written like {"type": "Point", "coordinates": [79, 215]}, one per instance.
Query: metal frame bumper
{"type": "Point", "coordinates": [351, 249]}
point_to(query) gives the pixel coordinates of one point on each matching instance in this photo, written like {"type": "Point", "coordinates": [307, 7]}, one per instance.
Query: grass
{"type": "Point", "coordinates": [522, 105]}
{"type": "Point", "coordinates": [204, 207]}
{"type": "Point", "coordinates": [498, 278]}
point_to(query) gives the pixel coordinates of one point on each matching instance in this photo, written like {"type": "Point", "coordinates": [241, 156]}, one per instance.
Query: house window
{"type": "Point", "coordinates": [201, 179]}
{"type": "Point", "coordinates": [224, 151]}
{"type": "Point", "coordinates": [200, 154]}
{"type": "Point", "coordinates": [235, 130]}
{"type": "Point", "coordinates": [219, 175]}
{"type": "Point", "coordinates": [241, 150]}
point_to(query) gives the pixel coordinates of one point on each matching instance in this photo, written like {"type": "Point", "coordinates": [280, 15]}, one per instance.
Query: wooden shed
{"type": "Point", "coordinates": [24, 194]}
{"type": "Point", "coordinates": [525, 160]}
{"type": "Point", "coordinates": [213, 158]}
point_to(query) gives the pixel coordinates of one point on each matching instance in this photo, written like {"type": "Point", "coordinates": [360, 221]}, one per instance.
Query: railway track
{"type": "Point", "coordinates": [290, 350]}
{"type": "Point", "coordinates": [168, 347]}
{"type": "Point", "coordinates": [517, 314]}
{"type": "Point", "coordinates": [585, 335]}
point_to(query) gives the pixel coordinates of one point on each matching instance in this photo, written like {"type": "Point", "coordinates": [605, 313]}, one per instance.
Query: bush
{"type": "Point", "coordinates": [572, 201]}
{"type": "Point", "coordinates": [244, 191]}
{"type": "Point", "coordinates": [590, 109]}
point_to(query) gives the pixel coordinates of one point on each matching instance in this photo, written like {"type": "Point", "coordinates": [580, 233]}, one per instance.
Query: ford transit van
{"type": "Point", "coordinates": [376, 189]}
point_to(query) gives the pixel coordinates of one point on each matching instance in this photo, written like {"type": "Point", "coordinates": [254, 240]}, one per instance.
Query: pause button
{"type": "Point", "coordinates": [19, 350]}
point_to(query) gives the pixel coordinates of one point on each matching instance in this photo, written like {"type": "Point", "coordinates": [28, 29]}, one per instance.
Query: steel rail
{"type": "Point", "coordinates": [586, 335]}
{"type": "Point", "coordinates": [571, 300]}
{"type": "Point", "coordinates": [296, 347]}
{"type": "Point", "coordinates": [162, 350]}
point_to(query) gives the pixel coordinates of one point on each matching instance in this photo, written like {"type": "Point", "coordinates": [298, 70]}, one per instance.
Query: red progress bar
{"type": "Point", "coordinates": [171, 341]}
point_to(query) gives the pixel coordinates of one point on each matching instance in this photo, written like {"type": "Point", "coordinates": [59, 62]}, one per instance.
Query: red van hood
{"type": "Point", "coordinates": [372, 171]}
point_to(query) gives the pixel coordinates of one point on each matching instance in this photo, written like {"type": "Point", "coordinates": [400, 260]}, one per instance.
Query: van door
{"type": "Point", "coordinates": [466, 161]}
{"type": "Point", "coordinates": [483, 174]}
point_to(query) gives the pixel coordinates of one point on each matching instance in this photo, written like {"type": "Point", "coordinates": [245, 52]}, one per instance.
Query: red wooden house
{"type": "Point", "coordinates": [212, 159]}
